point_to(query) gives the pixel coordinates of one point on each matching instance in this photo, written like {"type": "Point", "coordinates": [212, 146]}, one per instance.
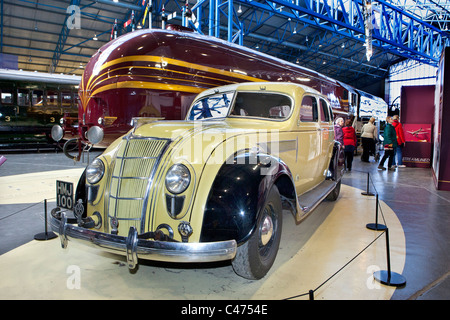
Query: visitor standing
{"type": "Point", "coordinates": [338, 133]}
{"type": "Point", "coordinates": [390, 143]}
{"type": "Point", "coordinates": [349, 143]}
{"type": "Point", "coordinates": [368, 136]}
{"type": "Point", "coordinates": [400, 141]}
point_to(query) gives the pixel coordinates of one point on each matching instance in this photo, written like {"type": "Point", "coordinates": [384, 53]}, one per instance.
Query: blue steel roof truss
{"type": "Point", "coordinates": [328, 36]}
{"type": "Point", "coordinates": [397, 34]}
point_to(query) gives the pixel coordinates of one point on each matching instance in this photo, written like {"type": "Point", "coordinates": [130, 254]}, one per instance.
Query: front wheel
{"type": "Point", "coordinates": [255, 257]}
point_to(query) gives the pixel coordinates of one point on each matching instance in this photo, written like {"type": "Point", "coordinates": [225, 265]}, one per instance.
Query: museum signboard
{"type": "Point", "coordinates": [418, 146]}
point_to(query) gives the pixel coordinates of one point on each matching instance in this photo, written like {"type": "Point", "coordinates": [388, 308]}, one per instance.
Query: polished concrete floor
{"type": "Point", "coordinates": [331, 252]}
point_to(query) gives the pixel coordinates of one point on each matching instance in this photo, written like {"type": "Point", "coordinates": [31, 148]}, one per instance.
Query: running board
{"type": "Point", "coordinates": [308, 201]}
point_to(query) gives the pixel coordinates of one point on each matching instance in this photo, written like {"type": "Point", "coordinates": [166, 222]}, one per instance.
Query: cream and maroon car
{"type": "Point", "coordinates": [211, 187]}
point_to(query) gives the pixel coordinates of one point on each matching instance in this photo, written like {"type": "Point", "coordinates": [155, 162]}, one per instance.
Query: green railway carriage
{"type": "Point", "coordinates": [31, 103]}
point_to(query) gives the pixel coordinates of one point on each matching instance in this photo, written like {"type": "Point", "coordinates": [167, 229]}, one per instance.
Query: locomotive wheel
{"type": "Point", "coordinates": [255, 257]}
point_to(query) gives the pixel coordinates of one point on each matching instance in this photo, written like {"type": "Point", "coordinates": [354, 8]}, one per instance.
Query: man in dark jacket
{"type": "Point", "coordinates": [390, 143]}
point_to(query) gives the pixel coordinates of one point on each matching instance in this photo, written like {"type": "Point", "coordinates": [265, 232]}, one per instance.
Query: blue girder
{"type": "Point", "coordinates": [62, 38]}
{"type": "Point", "coordinates": [325, 35]}
{"type": "Point", "coordinates": [398, 32]}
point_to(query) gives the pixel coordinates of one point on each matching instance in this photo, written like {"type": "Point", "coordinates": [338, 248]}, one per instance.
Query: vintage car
{"type": "Point", "coordinates": [211, 187]}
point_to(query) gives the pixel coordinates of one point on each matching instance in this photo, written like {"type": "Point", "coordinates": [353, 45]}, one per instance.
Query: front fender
{"type": "Point", "coordinates": [81, 192]}
{"type": "Point", "coordinates": [336, 167]}
{"type": "Point", "coordinates": [237, 196]}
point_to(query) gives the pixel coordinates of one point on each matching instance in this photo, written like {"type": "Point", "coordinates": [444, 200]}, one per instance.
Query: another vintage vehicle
{"type": "Point", "coordinates": [211, 187]}
{"type": "Point", "coordinates": [31, 103]}
{"type": "Point", "coordinates": [158, 73]}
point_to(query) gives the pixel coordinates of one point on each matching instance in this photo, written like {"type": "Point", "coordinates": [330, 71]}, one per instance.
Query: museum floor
{"type": "Point", "coordinates": [331, 253]}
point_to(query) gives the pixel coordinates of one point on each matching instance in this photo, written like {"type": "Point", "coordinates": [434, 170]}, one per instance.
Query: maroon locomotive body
{"type": "Point", "coordinates": [157, 73]}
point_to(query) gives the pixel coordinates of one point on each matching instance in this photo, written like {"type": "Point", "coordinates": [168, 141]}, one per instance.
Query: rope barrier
{"type": "Point", "coordinates": [385, 277]}
{"type": "Point", "coordinates": [21, 210]}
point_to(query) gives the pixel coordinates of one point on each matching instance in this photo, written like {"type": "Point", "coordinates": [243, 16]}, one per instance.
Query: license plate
{"type": "Point", "coordinates": [64, 194]}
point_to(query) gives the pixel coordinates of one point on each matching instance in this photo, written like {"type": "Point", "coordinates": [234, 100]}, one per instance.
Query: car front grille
{"type": "Point", "coordinates": [131, 180]}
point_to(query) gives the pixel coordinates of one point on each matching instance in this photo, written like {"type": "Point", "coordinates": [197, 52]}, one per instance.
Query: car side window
{"type": "Point", "coordinates": [66, 99]}
{"type": "Point", "coordinates": [262, 105]}
{"type": "Point", "coordinates": [325, 115]}
{"type": "Point", "coordinates": [308, 109]}
{"type": "Point", "coordinates": [37, 98]}
{"type": "Point", "coordinates": [23, 97]}
{"type": "Point", "coordinates": [7, 96]}
{"type": "Point", "coordinates": [52, 98]}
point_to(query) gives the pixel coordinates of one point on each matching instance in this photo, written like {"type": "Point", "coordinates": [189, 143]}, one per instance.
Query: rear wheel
{"type": "Point", "coordinates": [255, 257]}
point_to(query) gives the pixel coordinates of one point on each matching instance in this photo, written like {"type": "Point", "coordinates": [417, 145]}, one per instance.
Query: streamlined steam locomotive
{"type": "Point", "coordinates": [157, 73]}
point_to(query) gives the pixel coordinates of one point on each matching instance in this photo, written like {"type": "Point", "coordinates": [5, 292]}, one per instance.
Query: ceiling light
{"type": "Point", "coordinates": [95, 37]}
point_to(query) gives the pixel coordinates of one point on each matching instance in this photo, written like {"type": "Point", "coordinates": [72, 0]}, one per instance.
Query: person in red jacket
{"type": "Point", "coordinates": [400, 142]}
{"type": "Point", "coordinates": [349, 143]}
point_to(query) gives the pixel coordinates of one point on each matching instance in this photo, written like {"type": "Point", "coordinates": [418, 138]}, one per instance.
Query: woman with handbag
{"type": "Point", "coordinates": [390, 143]}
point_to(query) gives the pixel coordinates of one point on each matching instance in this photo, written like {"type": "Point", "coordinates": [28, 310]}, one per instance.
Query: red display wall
{"type": "Point", "coordinates": [417, 104]}
{"type": "Point", "coordinates": [417, 118]}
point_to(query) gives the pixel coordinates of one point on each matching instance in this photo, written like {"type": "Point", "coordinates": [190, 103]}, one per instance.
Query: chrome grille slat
{"type": "Point", "coordinates": [131, 179]}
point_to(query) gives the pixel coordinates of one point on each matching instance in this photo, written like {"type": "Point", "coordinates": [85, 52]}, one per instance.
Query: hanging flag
{"type": "Point", "coordinates": [127, 23]}
{"type": "Point", "coordinates": [145, 12]}
{"type": "Point", "coordinates": [114, 30]}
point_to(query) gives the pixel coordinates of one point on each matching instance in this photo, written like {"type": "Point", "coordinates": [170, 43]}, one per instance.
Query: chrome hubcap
{"type": "Point", "coordinates": [266, 230]}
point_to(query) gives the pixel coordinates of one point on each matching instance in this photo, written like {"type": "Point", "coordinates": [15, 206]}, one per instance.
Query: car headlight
{"type": "Point", "coordinates": [178, 178]}
{"type": "Point", "coordinates": [95, 171]}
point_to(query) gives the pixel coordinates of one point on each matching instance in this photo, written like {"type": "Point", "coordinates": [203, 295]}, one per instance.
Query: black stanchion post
{"type": "Point", "coordinates": [45, 235]}
{"type": "Point", "coordinates": [367, 193]}
{"type": "Point", "coordinates": [388, 277]}
{"type": "Point", "coordinates": [311, 294]}
{"type": "Point", "coordinates": [376, 225]}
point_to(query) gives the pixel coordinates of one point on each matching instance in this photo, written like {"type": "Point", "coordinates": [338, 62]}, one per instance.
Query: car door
{"type": "Point", "coordinates": [327, 135]}
{"type": "Point", "coordinates": [23, 104]}
{"type": "Point", "coordinates": [309, 145]}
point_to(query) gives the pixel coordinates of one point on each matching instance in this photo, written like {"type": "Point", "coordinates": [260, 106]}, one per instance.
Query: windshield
{"type": "Point", "coordinates": [247, 104]}
{"type": "Point", "coordinates": [214, 106]}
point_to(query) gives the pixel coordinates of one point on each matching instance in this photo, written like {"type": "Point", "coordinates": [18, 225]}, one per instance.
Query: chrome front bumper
{"type": "Point", "coordinates": [133, 247]}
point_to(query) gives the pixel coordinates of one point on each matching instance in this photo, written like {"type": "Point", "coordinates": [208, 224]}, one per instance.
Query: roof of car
{"type": "Point", "coordinates": [251, 86]}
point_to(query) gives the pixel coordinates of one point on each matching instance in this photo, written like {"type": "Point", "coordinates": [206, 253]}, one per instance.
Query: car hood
{"type": "Point", "coordinates": [188, 129]}
{"type": "Point", "coordinates": [197, 140]}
